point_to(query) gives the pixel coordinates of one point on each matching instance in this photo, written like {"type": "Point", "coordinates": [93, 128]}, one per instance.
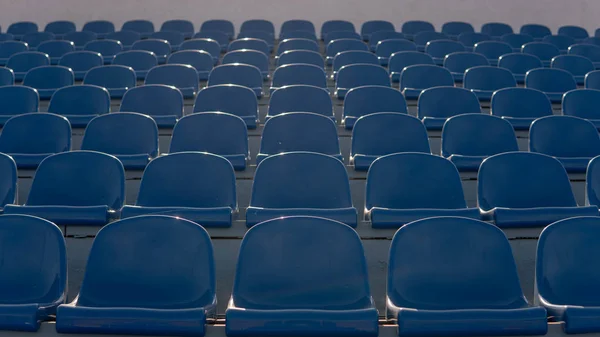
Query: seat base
{"type": "Point", "coordinates": [535, 217]}
{"type": "Point", "coordinates": [395, 218]}
{"type": "Point", "coordinates": [255, 215]}
{"type": "Point", "coordinates": [207, 217]}
{"type": "Point", "coordinates": [65, 215]}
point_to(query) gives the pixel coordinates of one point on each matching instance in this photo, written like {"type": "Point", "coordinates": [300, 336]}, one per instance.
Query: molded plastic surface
{"type": "Point", "coordinates": [438, 104]}
{"type": "Point", "coordinates": [184, 77]}
{"type": "Point", "coordinates": [300, 98]}
{"type": "Point", "coordinates": [80, 103]}
{"type": "Point", "coordinates": [299, 74]}
{"type": "Point", "coordinates": [457, 63]}
{"type": "Point", "coordinates": [520, 106]}
{"type": "Point", "coordinates": [553, 82]}
{"type": "Point", "coordinates": [141, 61]}
{"type": "Point", "coordinates": [161, 102]}
{"type": "Point", "coordinates": [80, 62]}
{"type": "Point", "coordinates": [48, 79]}
{"type": "Point", "coordinates": [483, 81]}
{"type": "Point", "coordinates": [240, 74]}
{"type": "Point", "coordinates": [114, 78]}
{"type": "Point", "coordinates": [358, 75]}
{"type": "Point", "coordinates": [221, 98]}
{"type": "Point", "coordinates": [416, 78]}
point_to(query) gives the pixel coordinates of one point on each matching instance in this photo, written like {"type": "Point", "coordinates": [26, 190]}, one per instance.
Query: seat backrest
{"type": "Point", "coordinates": [174, 38]}
{"type": "Point", "coordinates": [461, 61]}
{"type": "Point", "coordinates": [592, 80]}
{"type": "Point", "coordinates": [592, 183]}
{"type": "Point", "coordinates": [496, 29]}
{"type": "Point", "coordinates": [182, 278]}
{"type": "Point", "coordinates": [543, 50]}
{"type": "Point", "coordinates": [15, 100]}
{"type": "Point", "coordinates": [224, 26]}
{"type": "Point", "coordinates": [289, 253]}
{"type": "Point", "coordinates": [153, 100]}
{"type": "Point", "coordinates": [138, 60]}
{"type": "Point", "coordinates": [34, 39]}
{"type": "Point", "coordinates": [422, 38]}
{"type": "Point", "coordinates": [8, 183]}
{"type": "Point", "coordinates": [384, 133]}
{"type": "Point", "coordinates": [441, 48]}
{"type": "Point", "coordinates": [258, 25]}
{"type": "Point", "coordinates": [372, 26]}
{"type": "Point", "coordinates": [382, 35]}
{"type": "Point", "coordinates": [99, 27]}
{"type": "Point", "coordinates": [287, 133]}
{"type": "Point", "coordinates": [576, 32]}
{"type": "Point", "coordinates": [413, 181]}
{"type": "Point", "coordinates": [181, 76]}
{"type": "Point", "coordinates": [415, 26]}
{"type": "Point", "coordinates": [342, 34]}
{"type": "Point", "coordinates": [249, 43]}
{"type": "Point", "coordinates": [300, 98]}
{"type": "Point", "coordinates": [297, 34]}
{"type": "Point", "coordinates": [336, 25]}
{"type": "Point", "coordinates": [213, 132]}
{"type": "Point", "coordinates": [111, 76]}
{"type": "Point", "coordinates": [188, 179]}
{"type": "Point", "coordinates": [591, 51]}
{"type": "Point", "coordinates": [105, 47]}
{"type": "Point", "coordinates": [353, 57]}
{"type": "Point", "coordinates": [477, 135]}
{"type": "Point", "coordinates": [519, 63]}
{"type": "Point", "coordinates": [369, 99]}
{"type": "Point", "coordinates": [221, 38]}
{"type": "Point", "coordinates": [563, 274]}
{"type": "Point", "coordinates": [36, 133]}
{"type": "Point", "coordinates": [123, 133]}
{"type": "Point", "coordinates": [561, 42]}
{"type": "Point", "coordinates": [22, 28]}
{"type": "Point", "coordinates": [49, 77]}
{"type": "Point", "coordinates": [267, 37]}
{"type": "Point", "coordinates": [386, 48]}
{"type": "Point", "coordinates": [536, 31]}
{"type": "Point", "coordinates": [358, 75]}
{"type": "Point", "coordinates": [6, 37]}
{"type": "Point", "coordinates": [240, 74]}
{"type": "Point", "coordinates": [301, 56]}
{"type": "Point", "coordinates": [251, 57]}
{"type": "Point", "coordinates": [445, 102]}
{"type": "Point", "coordinates": [35, 262]}
{"type": "Point", "coordinates": [297, 44]}
{"type": "Point", "coordinates": [7, 76]}
{"type": "Point", "coordinates": [574, 64]}
{"type": "Point", "coordinates": [56, 48]}
{"type": "Point", "coordinates": [198, 59]}
{"type": "Point", "coordinates": [79, 178]}
{"type": "Point", "coordinates": [488, 78]}
{"type": "Point", "coordinates": [516, 41]}
{"type": "Point", "coordinates": [27, 60]}
{"type": "Point", "coordinates": [9, 48]}
{"type": "Point", "coordinates": [139, 26]}
{"type": "Point", "coordinates": [81, 60]}
{"type": "Point", "coordinates": [582, 103]}
{"type": "Point", "coordinates": [80, 38]}
{"type": "Point", "coordinates": [301, 180]}
{"type": "Point", "coordinates": [485, 278]}
{"type": "Point", "coordinates": [182, 26]}
{"type": "Point", "coordinates": [492, 49]}
{"type": "Point", "coordinates": [564, 136]}
{"type": "Point", "coordinates": [299, 74]}
{"type": "Point", "coordinates": [234, 99]}
{"type": "Point", "coordinates": [469, 39]}
{"type": "Point", "coordinates": [340, 45]}
{"type": "Point", "coordinates": [550, 80]}
{"type": "Point", "coordinates": [158, 47]}
{"type": "Point", "coordinates": [208, 45]}
{"type": "Point", "coordinates": [80, 100]}
{"type": "Point", "coordinates": [424, 76]}
{"type": "Point", "coordinates": [455, 28]}
{"type": "Point", "coordinates": [523, 180]}
{"type": "Point", "coordinates": [520, 103]}
{"type": "Point", "coordinates": [297, 25]}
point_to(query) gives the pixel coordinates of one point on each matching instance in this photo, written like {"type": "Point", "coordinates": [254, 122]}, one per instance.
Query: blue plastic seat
{"type": "Point", "coordinates": [437, 104]}
{"type": "Point", "coordinates": [485, 80]}
{"type": "Point", "coordinates": [30, 138]}
{"type": "Point", "coordinates": [107, 48]}
{"type": "Point", "coordinates": [592, 188]}
{"type": "Point", "coordinates": [438, 49]}
{"type": "Point", "coordinates": [184, 27]}
{"type": "Point", "coordinates": [362, 101]}
{"type": "Point", "coordinates": [200, 60]}
{"type": "Point", "coordinates": [233, 99]}
{"type": "Point", "coordinates": [126, 37]}
{"type": "Point", "coordinates": [33, 40]}
{"type": "Point", "coordinates": [249, 43]}
{"type": "Point", "coordinates": [386, 48]}
{"type": "Point", "coordinates": [372, 26]}
{"type": "Point", "coordinates": [131, 137]}
{"type": "Point", "coordinates": [458, 62]}
{"type": "Point", "coordinates": [80, 39]}
{"type": "Point", "coordinates": [346, 58]}
{"type": "Point", "coordinates": [251, 57]}
{"type": "Point", "coordinates": [337, 46]}
{"type": "Point", "coordinates": [220, 25]}
{"type": "Point", "coordinates": [358, 75]}
{"type": "Point", "coordinates": [301, 183]}
{"type": "Point", "coordinates": [520, 106]}
{"type": "Point", "coordinates": [22, 62]}
{"type": "Point", "coordinates": [412, 28]}
{"type": "Point", "coordinates": [336, 26]}
{"type": "Point", "coordinates": [174, 38]}
{"type": "Point", "coordinates": [48, 79]}
{"type": "Point", "coordinates": [142, 27]}
{"type": "Point", "coordinates": [260, 35]}
{"type": "Point", "coordinates": [221, 38]}
{"type": "Point", "coordinates": [258, 25]}
{"type": "Point", "coordinates": [400, 60]}
{"type": "Point", "coordinates": [239, 74]}
{"type": "Point", "coordinates": [463, 282]}
{"type": "Point", "coordinates": [32, 290]}
{"type": "Point", "coordinates": [161, 102]}
{"type": "Point", "coordinates": [296, 25]}
{"type": "Point", "coordinates": [342, 34]}
{"type": "Point", "coordinates": [576, 32]}
{"type": "Point", "coordinates": [537, 31]}
{"type": "Point", "coordinates": [7, 76]}
{"type": "Point", "coordinates": [516, 41]}
{"type": "Point", "coordinates": [583, 103]}
{"type": "Point", "coordinates": [56, 49]}
{"type": "Point", "coordinates": [496, 29]}
{"type": "Point", "coordinates": [18, 29]}
{"type": "Point", "coordinates": [10, 48]}
{"type": "Point", "coordinates": [404, 187]}
{"type": "Point", "coordinates": [416, 78]}
{"type": "Point", "coordinates": [591, 51]}
{"type": "Point", "coordinates": [300, 98]}
{"type": "Point", "coordinates": [115, 78]}
{"type": "Point", "coordinates": [60, 28]}
{"type": "Point", "coordinates": [160, 48]}
{"type": "Point", "coordinates": [17, 100]}
{"type": "Point", "coordinates": [571, 140]}
{"type": "Point", "coordinates": [298, 34]}
{"type": "Point", "coordinates": [298, 74]}
{"type": "Point", "coordinates": [6, 37]}
{"type": "Point", "coordinates": [454, 28]}
{"type": "Point", "coordinates": [562, 42]}
{"type": "Point", "coordinates": [553, 82]}
{"type": "Point", "coordinates": [592, 40]}
{"type": "Point", "coordinates": [303, 251]}
{"type": "Point", "coordinates": [297, 44]}
{"type": "Point", "coordinates": [8, 188]}
{"type": "Point", "coordinates": [196, 186]}
{"type": "Point", "coordinates": [75, 188]}
{"type": "Point", "coordinates": [577, 65]}
{"type": "Point", "coordinates": [542, 50]}
{"type": "Point", "coordinates": [207, 45]}
{"type": "Point", "coordinates": [80, 103]}
{"type": "Point", "coordinates": [469, 139]}
{"type": "Point", "coordinates": [382, 35]}
{"type": "Point", "coordinates": [470, 39]}
{"type": "Point", "coordinates": [181, 283]}
{"type": "Point", "coordinates": [379, 134]}
{"type": "Point", "coordinates": [141, 61]}
{"type": "Point", "coordinates": [525, 189]}
{"type": "Point", "coordinates": [219, 133]}
{"type": "Point", "coordinates": [421, 39]}
{"type": "Point", "coordinates": [301, 56]}
{"type": "Point", "coordinates": [181, 76]}
{"type": "Point", "coordinates": [519, 64]}
{"type": "Point", "coordinates": [99, 27]}
{"type": "Point", "coordinates": [492, 50]}
{"type": "Point", "coordinates": [592, 80]}
{"type": "Point", "coordinates": [286, 132]}
{"type": "Point", "coordinates": [80, 62]}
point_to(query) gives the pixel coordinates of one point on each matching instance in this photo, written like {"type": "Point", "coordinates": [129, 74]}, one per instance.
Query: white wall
{"type": "Point", "coordinates": [552, 13]}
